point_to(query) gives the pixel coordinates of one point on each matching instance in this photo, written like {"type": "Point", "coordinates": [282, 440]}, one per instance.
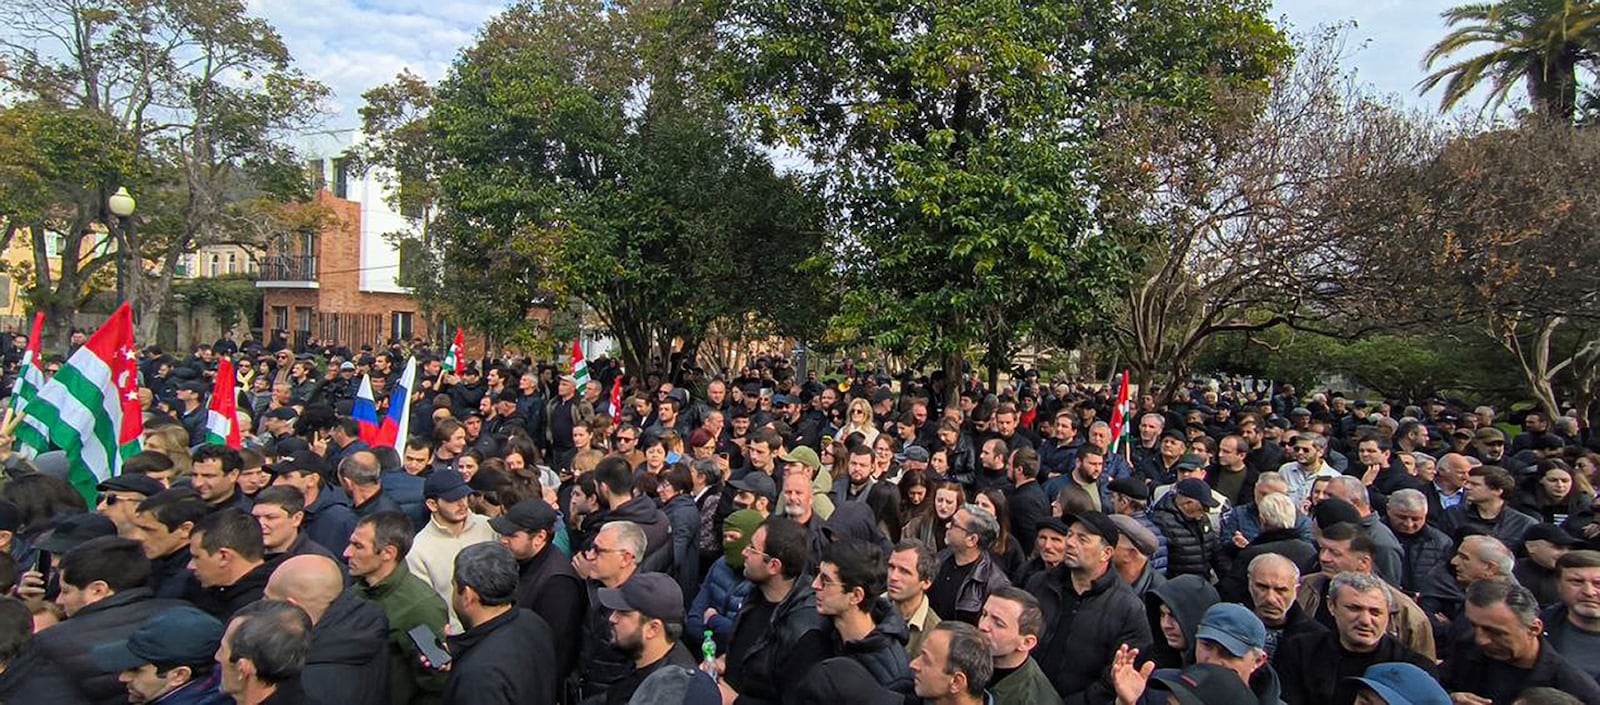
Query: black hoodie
{"type": "Point", "coordinates": [1188, 597]}
{"type": "Point", "coordinates": [883, 651]}
{"type": "Point", "coordinates": [349, 659]}
{"type": "Point", "coordinates": [642, 510]}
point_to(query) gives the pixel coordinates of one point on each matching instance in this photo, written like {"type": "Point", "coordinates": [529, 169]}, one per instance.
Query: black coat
{"type": "Point", "coordinates": [882, 652]}
{"type": "Point", "coordinates": [784, 649]}
{"type": "Point", "coordinates": [551, 589]}
{"type": "Point", "coordinates": [1313, 667]}
{"type": "Point", "coordinates": [223, 600]}
{"type": "Point", "coordinates": [1192, 545]}
{"type": "Point", "coordinates": [1420, 554]}
{"type": "Point", "coordinates": [1284, 542]}
{"type": "Point", "coordinates": [349, 659]}
{"type": "Point", "coordinates": [508, 660]}
{"type": "Point", "coordinates": [55, 667]}
{"type": "Point", "coordinates": [1029, 506]}
{"type": "Point", "coordinates": [1083, 632]}
{"type": "Point", "coordinates": [1468, 670]}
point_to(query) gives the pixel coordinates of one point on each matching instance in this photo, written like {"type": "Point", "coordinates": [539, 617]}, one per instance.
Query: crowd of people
{"type": "Point", "coordinates": [773, 537]}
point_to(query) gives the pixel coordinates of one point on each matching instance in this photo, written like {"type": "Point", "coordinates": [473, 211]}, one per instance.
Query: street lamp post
{"type": "Point", "coordinates": [121, 205]}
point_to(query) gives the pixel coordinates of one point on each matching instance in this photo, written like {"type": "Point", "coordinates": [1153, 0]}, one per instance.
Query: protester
{"type": "Point", "coordinates": [506, 655]}
{"type": "Point", "coordinates": [376, 556]}
{"type": "Point", "coordinates": [263, 652]}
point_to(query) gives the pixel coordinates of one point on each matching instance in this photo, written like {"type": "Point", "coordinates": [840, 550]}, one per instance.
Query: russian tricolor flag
{"type": "Point", "coordinates": [366, 411]}
{"type": "Point", "coordinates": [397, 422]}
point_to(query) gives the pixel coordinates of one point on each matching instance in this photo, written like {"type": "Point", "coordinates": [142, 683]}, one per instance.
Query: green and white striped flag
{"type": "Point", "coordinates": [90, 408]}
{"type": "Point", "coordinates": [580, 366]}
{"type": "Point", "coordinates": [30, 377]}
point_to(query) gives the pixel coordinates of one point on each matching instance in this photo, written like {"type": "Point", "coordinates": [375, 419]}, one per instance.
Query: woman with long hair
{"type": "Point", "coordinates": [1007, 550]}
{"type": "Point", "coordinates": [858, 419]}
{"type": "Point", "coordinates": [1557, 495]}
{"type": "Point", "coordinates": [916, 494]}
{"type": "Point", "coordinates": [930, 526]}
{"type": "Point", "coordinates": [883, 450]}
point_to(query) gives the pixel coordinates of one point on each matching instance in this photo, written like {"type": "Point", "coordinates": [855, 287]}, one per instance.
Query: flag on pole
{"type": "Point", "coordinates": [365, 411]}
{"type": "Point", "coordinates": [396, 425]}
{"type": "Point", "coordinates": [90, 408]}
{"type": "Point", "coordinates": [616, 396]}
{"type": "Point", "coordinates": [222, 413]}
{"type": "Point", "coordinates": [30, 377]}
{"type": "Point", "coordinates": [454, 360]}
{"type": "Point", "coordinates": [1119, 416]}
{"type": "Point", "coordinates": [580, 366]}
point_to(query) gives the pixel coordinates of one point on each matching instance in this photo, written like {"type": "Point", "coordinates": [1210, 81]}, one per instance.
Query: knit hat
{"type": "Point", "coordinates": [744, 521]}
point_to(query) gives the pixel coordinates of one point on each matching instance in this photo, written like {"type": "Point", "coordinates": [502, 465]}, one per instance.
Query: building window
{"type": "Point", "coordinates": [280, 317]}
{"type": "Point", "coordinates": [319, 180]}
{"type": "Point", "coordinates": [302, 319]}
{"type": "Point", "coordinates": [215, 263]}
{"type": "Point", "coordinates": [233, 263]}
{"type": "Point", "coordinates": [341, 178]}
{"type": "Point", "coordinates": [400, 325]}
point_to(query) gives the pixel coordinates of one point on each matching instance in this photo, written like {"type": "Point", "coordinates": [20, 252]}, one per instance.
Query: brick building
{"type": "Point", "coordinates": [340, 283]}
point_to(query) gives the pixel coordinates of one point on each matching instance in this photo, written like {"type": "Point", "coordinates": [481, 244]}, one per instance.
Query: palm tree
{"type": "Point", "coordinates": [1540, 41]}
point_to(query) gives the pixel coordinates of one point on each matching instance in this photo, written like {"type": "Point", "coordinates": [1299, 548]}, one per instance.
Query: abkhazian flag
{"type": "Point", "coordinates": [90, 408]}
{"type": "Point", "coordinates": [454, 360]}
{"type": "Point", "coordinates": [580, 366]}
{"type": "Point", "coordinates": [30, 377]}
{"type": "Point", "coordinates": [222, 413]}
{"type": "Point", "coordinates": [1119, 416]}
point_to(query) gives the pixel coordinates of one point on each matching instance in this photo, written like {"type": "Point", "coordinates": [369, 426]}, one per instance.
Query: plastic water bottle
{"type": "Point", "coordinates": [708, 658]}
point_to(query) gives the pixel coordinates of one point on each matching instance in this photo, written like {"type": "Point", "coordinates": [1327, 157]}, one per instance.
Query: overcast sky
{"type": "Point", "coordinates": [353, 45]}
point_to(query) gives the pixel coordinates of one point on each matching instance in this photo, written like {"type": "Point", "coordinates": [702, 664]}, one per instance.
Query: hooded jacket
{"type": "Point", "coordinates": [508, 660]}
{"type": "Point", "coordinates": [55, 668]}
{"type": "Point", "coordinates": [1188, 597]}
{"type": "Point", "coordinates": [348, 662]}
{"type": "Point", "coordinates": [329, 520]}
{"type": "Point", "coordinates": [883, 651]}
{"type": "Point", "coordinates": [657, 528]}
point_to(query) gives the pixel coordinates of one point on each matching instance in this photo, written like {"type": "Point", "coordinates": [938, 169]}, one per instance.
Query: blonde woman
{"type": "Point", "coordinates": [858, 419]}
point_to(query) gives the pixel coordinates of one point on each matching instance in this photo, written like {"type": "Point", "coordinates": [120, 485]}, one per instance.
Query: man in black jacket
{"type": "Point", "coordinates": [1507, 654]}
{"type": "Point", "coordinates": [229, 563]}
{"type": "Point", "coordinates": [104, 596]}
{"type": "Point", "coordinates": [348, 662]}
{"type": "Point", "coordinates": [1314, 667]}
{"type": "Point", "coordinates": [1029, 505]}
{"type": "Point", "coordinates": [1424, 546]}
{"type": "Point", "coordinates": [778, 635]}
{"type": "Point", "coordinates": [162, 526]}
{"type": "Point", "coordinates": [1088, 613]}
{"type": "Point", "coordinates": [546, 583]}
{"type": "Point", "coordinates": [506, 655]}
{"type": "Point", "coordinates": [647, 624]}
{"type": "Point", "coordinates": [849, 580]}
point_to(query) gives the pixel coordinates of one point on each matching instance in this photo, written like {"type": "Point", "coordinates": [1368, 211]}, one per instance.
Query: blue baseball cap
{"type": "Point", "coordinates": [181, 636]}
{"type": "Point", "coordinates": [446, 484]}
{"type": "Point", "coordinates": [1403, 684]}
{"type": "Point", "coordinates": [1232, 627]}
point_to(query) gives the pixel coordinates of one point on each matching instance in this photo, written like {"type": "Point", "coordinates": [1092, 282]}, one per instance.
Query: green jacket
{"type": "Point", "coordinates": [1025, 686]}
{"type": "Point", "coordinates": [408, 601]}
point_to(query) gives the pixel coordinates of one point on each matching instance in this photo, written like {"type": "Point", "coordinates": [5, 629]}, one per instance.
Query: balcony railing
{"type": "Point", "coordinates": [288, 268]}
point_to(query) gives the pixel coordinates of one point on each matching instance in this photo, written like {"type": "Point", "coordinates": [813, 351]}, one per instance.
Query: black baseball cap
{"type": "Point", "coordinates": [756, 483]}
{"type": "Point", "coordinates": [180, 636]}
{"type": "Point", "coordinates": [131, 482]}
{"type": "Point", "coordinates": [1097, 523]}
{"type": "Point", "coordinates": [1203, 684]}
{"type": "Point", "coordinates": [1550, 532]}
{"type": "Point", "coordinates": [446, 484]}
{"type": "Point", "coordinates": [283, 413]}
{"type": "Point", "coordinates": [76, 529]}
{"type": "Point", "coordinates": [528, 515]}
{"type": "Point", "coordinates": [303, 461]}
{"type": "Point", "coordinates": [653, 595]}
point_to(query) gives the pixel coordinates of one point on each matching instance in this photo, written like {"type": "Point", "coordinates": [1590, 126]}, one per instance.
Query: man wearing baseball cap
{"type": "Point", "coordinates": [1232, 637]}
{"type": "Point", "coordinates": [169, 658]}
{"type": "Point", "coordinates": [1398, 684]}
{"type": "Point", "coordinates": [1088, 611]}
{"type": "Point", "coordinates": [451, 527]}
{"type": "Point", "coordinates": [1183, 517]}
{"type": "Point", "coordinates": [546, 583]}
{"type": "Point", "coordinates": [647, 624]}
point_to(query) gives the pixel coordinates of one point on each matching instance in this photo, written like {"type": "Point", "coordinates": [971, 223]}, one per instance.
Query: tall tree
{"type": "Point", "coordinates": [584, 156]}
{"type": "Point", "coordinates": [956, 139]}
{"type": "Point", "coordinates": [1542, 43]}
{"type": "Point", "coordinates": [1226, 208]}
{"type": "Point", "coordinates": [199, 97]}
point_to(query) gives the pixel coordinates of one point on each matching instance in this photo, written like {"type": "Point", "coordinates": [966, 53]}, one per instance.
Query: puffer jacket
{"type": "Point", "coordinates": [1421, 553]}
{"type": "Point", "coordinates": [1082, 632]}
{"type": "Point", "coordinates": [1187, 597]}
{"type": "Point", "coordinates": [1192, 546]}
{"type": "Point", "coordinates": [349, 658]}
{"type": "Point", "coordinates": [724, 591]}
{"type": "Point", "coordinates": [883, 651]}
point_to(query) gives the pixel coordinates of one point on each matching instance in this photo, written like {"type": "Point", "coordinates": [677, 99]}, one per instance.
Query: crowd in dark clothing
{"type": "Point", "coordinates": [780, 537]}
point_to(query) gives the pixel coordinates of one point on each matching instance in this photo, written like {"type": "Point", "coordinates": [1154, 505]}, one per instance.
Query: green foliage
{"type": "Point", "coordinates": [956, 138]}
{"type": "Point", "coordinates": [1542, 42]}
{"type": "Point", "coordinates": [230, 297]}
{"type": "Point", "coordinates": [582, 156]}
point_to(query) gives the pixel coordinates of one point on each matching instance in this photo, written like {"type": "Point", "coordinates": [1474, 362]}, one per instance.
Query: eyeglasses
{"type": "Point", "coordinates": [596, 550]}
{"type": "Point", "coordinates": [751, 550]}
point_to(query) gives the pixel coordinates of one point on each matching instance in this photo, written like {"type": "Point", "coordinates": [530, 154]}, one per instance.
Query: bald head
{"type": "Point", "coordinates": [312, 582]}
